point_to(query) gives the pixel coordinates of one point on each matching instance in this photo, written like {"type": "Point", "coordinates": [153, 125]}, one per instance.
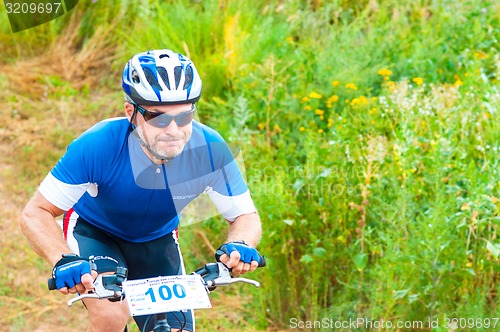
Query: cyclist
{"type": "Point", "coordinates": [122, 184]}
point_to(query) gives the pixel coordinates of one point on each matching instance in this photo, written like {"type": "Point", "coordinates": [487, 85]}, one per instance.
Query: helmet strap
{"type": "Point", "coordinates": [146, 145]}
{"type": "Point", "coordinates": [134, 115]}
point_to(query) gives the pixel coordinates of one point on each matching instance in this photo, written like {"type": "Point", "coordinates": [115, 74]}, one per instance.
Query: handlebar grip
{"type": "Point", "coordinates": [262, 262]}
{"type": "Point", "coordinates": [219, 252]}
{"type": "Point", "coordinates": [51, 283]}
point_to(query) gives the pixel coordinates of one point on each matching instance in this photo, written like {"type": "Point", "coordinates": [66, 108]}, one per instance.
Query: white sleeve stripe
{"type": "Point", "coordinates": [61, 194]}
{"type": "Point", "coordinates": [232, 207]}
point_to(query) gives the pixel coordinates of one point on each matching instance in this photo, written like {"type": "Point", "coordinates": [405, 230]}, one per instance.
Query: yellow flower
{"type": "Point", "coordinates": [289, 40]}
{"type": "Point", "coordinates": [465, 207]}
{"type": "Point", "coordinates": [418, 80]}
{"type": "Point", "coordinates": [277, 128]}
{"type": "Point", "coordinates": [321, 117]}
{"type": "Point", "coordinates": [218, 100]}
{"type": "Point", "coordinates": [305, 99]}
{"type": "Point", "coordinates": [351, 86]}
{"type": "Point", "coordinates": [302, 128]}
{"type": "Point", "coordinates": [384, 72]}
{"type": "Point", "coordinates": [335, 83]}
{"type": "Point", "coordinates": [373, 110]}
{"type": "Point", "coordinates": [458, 83]}
{"type": "Point", "coordinates": [330, 122]}
{"type": "Point", "coordinates": [319, 112]}
{"type": "Point", "coordinates": [374, 98]}
{"type": "Point", "coordinates": [391, 85]}
{"type": "Point", "coordinates": [261, 126]}
{"type": "Point", "coordinates": [315, 95]}
{"type": "Point", "coordinates": [481, 55]}
{"type": "Point", "coordinates": [331, 100]}
{"type": "Point", "coordinates": [361, 100]}
{"type": "Point", "coordinates": [320, 131]}
{"type": "Point", "coordinates": [307, 108]}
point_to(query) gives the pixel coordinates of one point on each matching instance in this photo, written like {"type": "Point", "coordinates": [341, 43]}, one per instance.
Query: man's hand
{"type": "Point", "coordinates": [73, 274]}
{"type": "Point", "coordinates": [239, 257]}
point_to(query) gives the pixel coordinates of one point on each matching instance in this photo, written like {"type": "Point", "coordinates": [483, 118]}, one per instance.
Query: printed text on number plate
{"type": "Point", "coordinates": [165, 294]}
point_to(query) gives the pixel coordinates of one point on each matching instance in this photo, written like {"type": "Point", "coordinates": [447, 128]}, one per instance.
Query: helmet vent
{"type": "Point", "coordinates": [135, 77]}
{"type": "Point", "coordinates": [189, 77]}
{"type": "Point", "coordinates": [164, 76]}
{"type": "Point", "coordinates": [164, 56]}
{"type": "Point", "coordinates": [177, 75]}
{"type": "Point", "coordinates": [151, 78]}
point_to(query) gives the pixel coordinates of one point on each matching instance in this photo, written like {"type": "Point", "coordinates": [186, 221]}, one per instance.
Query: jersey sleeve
{"type": "Point", "coordinates": [227, 190]}
{"type": "Point", "coordinates": [77, 172]}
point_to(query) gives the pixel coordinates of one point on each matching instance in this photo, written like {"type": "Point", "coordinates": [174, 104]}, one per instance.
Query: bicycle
{"type": "Point", "coordinates": [110, 286]}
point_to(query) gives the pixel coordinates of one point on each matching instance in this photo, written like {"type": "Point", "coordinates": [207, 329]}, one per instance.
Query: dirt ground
{"type": "Point", "coordinates": [26, 304]}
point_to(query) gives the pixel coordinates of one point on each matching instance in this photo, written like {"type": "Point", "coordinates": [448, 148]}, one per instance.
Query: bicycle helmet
{"type": "Point", "coordinates": [161, 77]}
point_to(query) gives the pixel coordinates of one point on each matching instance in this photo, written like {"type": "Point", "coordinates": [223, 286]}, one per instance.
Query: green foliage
{"type": "Point", "coordinates": [369, 132]}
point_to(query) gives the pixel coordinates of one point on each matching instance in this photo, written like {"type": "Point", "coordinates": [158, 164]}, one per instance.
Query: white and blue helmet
{"type": "Point", "coordinates": [161, 77]}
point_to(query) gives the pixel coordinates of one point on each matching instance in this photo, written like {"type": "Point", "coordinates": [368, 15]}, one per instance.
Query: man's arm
{"type": "Point", "coordinates": [248, 228]}
{"type": "Point", "coordinates": [45, 237]}
{"type": "Point", "coordinates": [40, 229]}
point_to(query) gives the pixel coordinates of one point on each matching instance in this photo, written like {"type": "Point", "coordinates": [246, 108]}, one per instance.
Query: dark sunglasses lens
{"type": "Point", "coordinates": [161, 121]}
{"type": "Point", "coordinates": [149, 116]}
{"type": "Point", "coordinates": [184, 119]}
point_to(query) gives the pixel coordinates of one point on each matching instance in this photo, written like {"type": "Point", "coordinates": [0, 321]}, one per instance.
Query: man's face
{"type": "Point", "coordinates": [165, 141]}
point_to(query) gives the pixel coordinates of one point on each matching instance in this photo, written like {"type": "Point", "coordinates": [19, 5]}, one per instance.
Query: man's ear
{"type": "Point", "coordinates": [129, 111]}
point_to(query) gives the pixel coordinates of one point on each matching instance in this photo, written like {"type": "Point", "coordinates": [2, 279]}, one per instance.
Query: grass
{"type": "Point", "coordinates": [369, 133]}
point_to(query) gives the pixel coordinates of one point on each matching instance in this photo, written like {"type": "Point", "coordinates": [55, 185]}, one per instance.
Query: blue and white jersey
{"type": "Point", "coordinates": [106, 177]}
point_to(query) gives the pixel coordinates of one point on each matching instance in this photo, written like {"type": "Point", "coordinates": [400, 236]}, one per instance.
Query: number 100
{"type": "Point", "coordinates": [166, 293]}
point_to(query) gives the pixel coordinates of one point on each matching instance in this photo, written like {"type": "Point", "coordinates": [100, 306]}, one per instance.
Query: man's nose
{"type": "Point", "coordinates": [171, 128]}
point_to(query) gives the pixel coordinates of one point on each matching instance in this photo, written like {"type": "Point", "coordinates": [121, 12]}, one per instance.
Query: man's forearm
{"type": "Point", "coordinates": [43, 234]}
{"type": "Point", "coordinates": [246, 227]}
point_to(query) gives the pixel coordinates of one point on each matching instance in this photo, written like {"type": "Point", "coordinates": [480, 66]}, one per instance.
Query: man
{"type": "Point", "coordinates": [123, 183]}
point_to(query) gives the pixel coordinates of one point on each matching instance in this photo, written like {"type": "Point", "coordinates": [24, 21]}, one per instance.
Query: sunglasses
{"type": "Point", "coordinates": [162, 120]}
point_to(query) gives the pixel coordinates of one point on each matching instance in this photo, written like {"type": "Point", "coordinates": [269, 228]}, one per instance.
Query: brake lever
{"type": "Point", "coordinates": [225, 282]}
{"type": "Point", "coordinates": [100, 291]}
{"type": "Point", "coordinates": [217, 274]}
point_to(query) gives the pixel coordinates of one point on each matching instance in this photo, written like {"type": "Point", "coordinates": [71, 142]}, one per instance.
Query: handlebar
{"type": "Point", "coordinates": [51, 283]}
{"type": "Point", "coordinates": [110, 286]}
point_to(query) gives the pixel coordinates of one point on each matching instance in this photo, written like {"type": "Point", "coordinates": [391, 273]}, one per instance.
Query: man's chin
{"type": "Point", "coordinates": [169, 154]}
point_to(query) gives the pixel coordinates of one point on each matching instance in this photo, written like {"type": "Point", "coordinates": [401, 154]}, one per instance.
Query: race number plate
{"type": "Point", "coordinates": [164, 294]}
